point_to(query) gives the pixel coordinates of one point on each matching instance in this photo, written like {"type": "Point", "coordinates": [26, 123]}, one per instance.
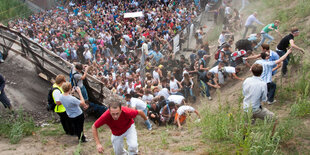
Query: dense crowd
{"type": "Point", "coordinates": [101, 42]}
{"type": "Point", "coordinates": [110, 47]}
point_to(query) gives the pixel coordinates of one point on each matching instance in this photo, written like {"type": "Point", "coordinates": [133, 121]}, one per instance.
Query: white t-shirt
{"type": "Point", "coordinates": [214, 70]}
{"type": "Point", "coordinates": [145, 48]}
{"type": "Point", "coordinates": [164, 92]}
{"type": "Point", "coordinates": [137, 103]}
{"type": "Point", "coordinates": [87, 55]}
{"type": "Point", "coordinates": [177, 99]}
{"type": "Point", "coordinates": [227, 10]}
{"type": "Point", "coordinates": [173, 85]}
{"type": "Point", "coordinates": [147, 98]}
{"type": "Point", "coordinates": [56, 94]}
{"type": "Point", "coordinates": [182, 109]}
{"type": "Point", "coordinates": [222, 39]}
{"type": "Point", "coordinates": [230, 69]}
{"type": "Point", "coordinates": [156, 75]}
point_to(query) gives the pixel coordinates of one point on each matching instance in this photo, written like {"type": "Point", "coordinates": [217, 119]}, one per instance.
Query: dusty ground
{"type": "Point", "coordinates": [26, 89]}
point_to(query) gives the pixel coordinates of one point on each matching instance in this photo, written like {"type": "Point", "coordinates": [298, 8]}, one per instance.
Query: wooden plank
{"type": "Point", "coordinates": [47, 51]}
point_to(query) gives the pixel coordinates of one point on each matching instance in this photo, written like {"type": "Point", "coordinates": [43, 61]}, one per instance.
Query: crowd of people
{"type": "Point", "coordinates": [101, 42]}
{"type": "Point", "coordinates": [110, 47]}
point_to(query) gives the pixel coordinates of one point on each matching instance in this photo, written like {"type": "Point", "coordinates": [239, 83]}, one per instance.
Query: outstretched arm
{"type": "Point", "coordinates": [236, 77]}
{"type": "Point", "coordinates": [197, 113]}
{"type": "Point", "coordinates": [141, 113]}
{"type": "Point", "coordinates": [178, 122]}
{"type": "Point", "coordinates": [98, 144]}
{"type": "Point", "coordinates": [284, 56]}
{"type": "Point", "coordinates": [293, 45]}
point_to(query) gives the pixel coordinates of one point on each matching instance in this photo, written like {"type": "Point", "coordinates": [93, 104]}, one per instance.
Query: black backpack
{"type": "Point", "coordinates": [50, 101]}
{"type": "Point", "coordinates": [72, 79]}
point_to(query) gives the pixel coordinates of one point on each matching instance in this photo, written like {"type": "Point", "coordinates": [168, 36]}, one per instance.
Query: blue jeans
{"type": "Point", "coordinates": [271, 86]}
{"type": "Point", "coordinates": [204, 88]}
{"type": "Point", "coordinates": [285, 62]}
{"type": "Point", "coordinates": [1, 56]}
{"type": "Point", "coordinates": [84, 93]}
{"type": "Point", "coordinates": [264, 37]}
{"type": "Point", "coordinates": [188, 90]}
{"type": "Point", "coordinates": [147, 122]}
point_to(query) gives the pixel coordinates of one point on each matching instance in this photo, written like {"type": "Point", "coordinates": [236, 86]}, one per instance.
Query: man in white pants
{"type": "Point", "coordinates": [120, 120]}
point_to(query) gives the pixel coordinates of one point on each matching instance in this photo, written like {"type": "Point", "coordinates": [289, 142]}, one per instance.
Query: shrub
{"type": "Point", "coordinates": [16, 125]}
{"type": "Point", "coordinates": [301, 108]}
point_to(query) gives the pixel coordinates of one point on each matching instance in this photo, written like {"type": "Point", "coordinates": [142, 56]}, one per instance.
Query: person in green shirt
{"type": "Point", "coordinates": [264, 33]}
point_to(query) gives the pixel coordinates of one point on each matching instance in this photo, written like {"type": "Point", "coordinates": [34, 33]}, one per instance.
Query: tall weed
{"type": "Point", "coordinates": [16, 125]}
{"type": "Point", "coordinates": [233, 126]}
{"type": "Point", "coordinates": [301, 108]}
{"type": "Point", "coordinates": [303, 8]}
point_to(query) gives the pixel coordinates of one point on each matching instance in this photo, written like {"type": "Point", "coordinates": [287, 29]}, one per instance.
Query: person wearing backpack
{"type": "Point", "coordinates": [59, 108]}
{"type": "Point", "coordinates": [219, 55]}
{"type": "Point", "coordinates": [77, 79]}
{"type": "Point", "coordinates": [204, 64]}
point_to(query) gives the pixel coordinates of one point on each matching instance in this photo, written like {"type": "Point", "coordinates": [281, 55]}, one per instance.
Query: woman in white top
{"type": "Point", "coordinates": [147, 97]}
{"type": "Point", "coordinates": [174, 87]}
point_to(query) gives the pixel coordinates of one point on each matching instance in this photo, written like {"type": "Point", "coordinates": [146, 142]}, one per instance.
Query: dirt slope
{"type": "Point", "coordinates": [163, 140]}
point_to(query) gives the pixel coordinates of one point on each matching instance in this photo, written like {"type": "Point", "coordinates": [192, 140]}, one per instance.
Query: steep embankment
{"type": "Point", "coordinates": [222, 129]}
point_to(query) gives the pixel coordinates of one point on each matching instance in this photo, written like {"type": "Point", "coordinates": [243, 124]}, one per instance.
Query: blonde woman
{"type": "Point", "coordinates": [73, 110]}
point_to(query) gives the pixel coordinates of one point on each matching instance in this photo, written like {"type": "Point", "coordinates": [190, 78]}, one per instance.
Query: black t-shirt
{"type": "Point", "coordinates": [203, 63]}
{"type": "Point", "coordinates": [201, 53]}
{"type": "Point", "coordinates": [285, 42]}
{"type": "Point", "coordinates": [155, 111]}
{"type": "Point", "coordinates": [203, 77]}
{"type": "Point", "coordinates": [30, 33]}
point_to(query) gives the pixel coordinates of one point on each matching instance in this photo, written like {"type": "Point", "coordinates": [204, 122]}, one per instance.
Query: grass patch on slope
{"type": "Point", "coordinates": [13, 9]}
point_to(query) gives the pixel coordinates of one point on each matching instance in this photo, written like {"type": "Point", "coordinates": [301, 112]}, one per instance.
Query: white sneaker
{"type": "Point", "coordinates": [210, 98]}
{"type": "Point", "coordinates": [270, 103]}
{"type": "Point", "coordinates": [1, 60]}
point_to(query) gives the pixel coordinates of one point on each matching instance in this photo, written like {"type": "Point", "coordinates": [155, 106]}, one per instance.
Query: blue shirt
{"type": "Point", "coordinates": [254, 90]}
{"type": "Point", "coordinates": [157, 56]}
{"type": "Point", "coordinates": [76, 11]}
{"type": "Point", "coordinates": [267, 69]}
{"type": "Point", "coordinates": [273, 57]}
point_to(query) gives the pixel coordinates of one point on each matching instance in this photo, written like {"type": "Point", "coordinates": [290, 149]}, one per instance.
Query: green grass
{"type": "Point", "coordinates": [16, 125]}
{"type": "Point", "coordinates": [303, 8]}
{"type": "Point", "coordinates": [10, 9]}
{"type": "Point", "coordinates": [52, 130]}
{"type": "Point", "coordinates": [187, 148]}
{"type": "Point", "coordinates": [229, 126]}
{"type": "Point", "coordinates": [164, 141]}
